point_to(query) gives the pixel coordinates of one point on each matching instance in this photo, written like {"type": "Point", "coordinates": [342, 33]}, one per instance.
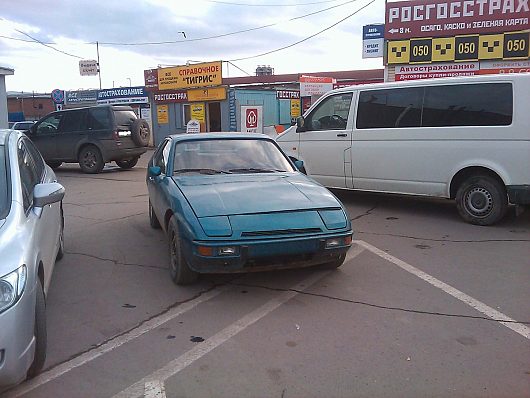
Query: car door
{"type": "Point", "coordinates": [325, 141]}
{"type": "Point", "coordinates": [155, 184]}
{"type": "Point", "coordinates": [44, 135]}
{"type": "Point", "coordinates": [44, 229]}
{"type": "Point", "coordinates": [73, 130]}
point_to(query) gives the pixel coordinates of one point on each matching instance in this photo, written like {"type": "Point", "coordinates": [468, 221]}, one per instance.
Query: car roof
{"type": "Point", "coordinates": [219, 136]}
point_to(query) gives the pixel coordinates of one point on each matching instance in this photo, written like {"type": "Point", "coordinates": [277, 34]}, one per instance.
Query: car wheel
{"type": "Point", "coordinates": [481, 200]}
{"type": "Point", "coordinates": [180, 272]}
{"type": "Point", "coordinates": [153, 220]}
{"type": "Point", "coordinates": [90, 160]}
{"type": "Point", "coordinates": [54, 164]}
{"type": "Point", "coordinates": [140, 132]}
{"type": "Point", "coordinates": [60, 252]}
{"type": "Point", "coordinates": [127, 163]}
{"type": "Point", "coordinates": [334, 264]}
{"type": "Point", "coordinates": [40, 333]}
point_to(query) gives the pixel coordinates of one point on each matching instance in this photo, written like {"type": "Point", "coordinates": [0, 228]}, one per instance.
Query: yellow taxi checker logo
{"type": "Point", "coordinates": [399, 52]}
{"type": "Point", "coordinates": [490, 46]}
{"type": "Point", "coordinates": [443, 49]}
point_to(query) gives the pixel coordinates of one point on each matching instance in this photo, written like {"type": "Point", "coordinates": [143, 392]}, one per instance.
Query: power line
{"type": "Point", "coordinates": [269, 5]}
{"type": "Point", "coordinates": [305, 39]}
{"type": "Point", "coordinates": [226, 34]}
{"type": "Point", "coordinates": [47, 45]}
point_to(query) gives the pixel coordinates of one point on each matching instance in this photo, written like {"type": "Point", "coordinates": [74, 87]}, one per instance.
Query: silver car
{"type": "Point", "coordinates": [31, 239]}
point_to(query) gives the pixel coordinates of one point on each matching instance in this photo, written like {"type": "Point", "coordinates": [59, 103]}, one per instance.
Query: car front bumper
{"type": "Point", "coordinates": [266, 254]}
{"type": "Point", "coordinates": [17, 342]}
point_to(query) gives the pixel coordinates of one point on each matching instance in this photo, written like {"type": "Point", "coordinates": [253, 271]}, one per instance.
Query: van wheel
{"type": "Point", "coordinates": [127, 163]}
{"type": "Point", "coordinates": [140, 132]}
{"type": "Point", "coordinates": [40, 333]}
{"type": "Point", "coordinates": [180, 272]}
{"type": "Point", "coordinates": [90, 160]}
{"type": "Point", "coordinates": [482, 200]}
{"type": "Point", "coordinates": [54, 164]}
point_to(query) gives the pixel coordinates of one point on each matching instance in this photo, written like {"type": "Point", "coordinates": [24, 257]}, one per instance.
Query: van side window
{"type": "Point", "coordinates": [98, 118]}
{"type": "Point", "coordinates": [488, 104]}
{"type": "Point", "coordinates": [331, 114]}
{"type": "Point", "coordinates": [73, 121]}
{"type": "Point", "coordinates": [390, 108]}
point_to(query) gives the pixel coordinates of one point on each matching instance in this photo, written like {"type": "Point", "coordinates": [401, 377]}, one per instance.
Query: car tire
{"type": "Point", "coordinates": [335, 264]}
{"type": "Point", "coordinates": [54, 164]}
{"type": "Point", "coordinates": [153, 220]}
{"type": "Point", "coordinates": [180, 272]}
{"type": "Point", "coordinates": [127, 163]}
{"type": "Point", "coordinates": [140, 132]}
{"type": "Point", "coordinates": [60, 252]}
{"type": "Point", "coordinates": [40, 333]}
{"type": "Point", "coordinates": [91, 160]}
{"type": "Point", "coordinates": [482, 200]}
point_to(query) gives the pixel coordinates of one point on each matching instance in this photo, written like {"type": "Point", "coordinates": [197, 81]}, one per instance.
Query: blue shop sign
{"type": "Point", "coordinates": [376, 31]}
{"type": "Point", "coordinates": [123, 95]}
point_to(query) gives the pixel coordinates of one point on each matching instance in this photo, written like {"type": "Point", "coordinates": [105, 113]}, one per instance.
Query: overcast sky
{"type": "Point", "coordinates": [73, 27]}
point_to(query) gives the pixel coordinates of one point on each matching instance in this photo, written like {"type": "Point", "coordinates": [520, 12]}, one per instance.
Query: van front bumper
{"type": "Point", "coordinates": [519, 194]}
{"type": "Point", "coordinates": [17, 342]}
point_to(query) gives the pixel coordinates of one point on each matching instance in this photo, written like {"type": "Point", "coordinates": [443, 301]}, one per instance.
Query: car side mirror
{"type": "Point", "coordinates": [155, 171]}
{"type": "Point", "coordinates": [46, 194]}
{"type": "Point", "coordinates": [300, 124]}
{"type": "Point", "coordinates": [299, 164]}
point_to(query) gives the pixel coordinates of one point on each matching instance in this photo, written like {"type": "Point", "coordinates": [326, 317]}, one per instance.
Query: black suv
{"type": "Point", "coordinates": [91, 136]}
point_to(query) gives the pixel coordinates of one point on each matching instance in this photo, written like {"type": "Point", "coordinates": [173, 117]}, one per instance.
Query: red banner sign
{"type": "Point", "coordinates": [151, 79]}
{"type": "Point", "coordinates": [438, 18]}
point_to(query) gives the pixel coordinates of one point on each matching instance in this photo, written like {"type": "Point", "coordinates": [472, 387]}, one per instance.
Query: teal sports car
{"type": "Point", "coordinates": [233, 202]}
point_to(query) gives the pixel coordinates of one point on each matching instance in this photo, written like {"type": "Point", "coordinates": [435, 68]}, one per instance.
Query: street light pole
{"type": "Point", "coordinates": [99, 67]}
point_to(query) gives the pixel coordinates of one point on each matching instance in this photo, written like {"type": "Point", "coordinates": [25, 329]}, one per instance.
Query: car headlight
{"type": "Point", "coordinates": [11, 287]}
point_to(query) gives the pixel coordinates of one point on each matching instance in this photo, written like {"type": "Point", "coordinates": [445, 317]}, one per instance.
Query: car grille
{"type": "Point", "coordinates": [292, 231]}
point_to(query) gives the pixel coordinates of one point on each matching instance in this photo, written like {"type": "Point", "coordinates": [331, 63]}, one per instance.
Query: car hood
{"type": "Point", "coordinates": [255, 193]}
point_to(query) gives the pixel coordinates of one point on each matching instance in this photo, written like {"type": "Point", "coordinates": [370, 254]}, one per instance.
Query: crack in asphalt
{"type": "Point", "coordinates": [383, 307]}
{"type": "Point", "coordinates": [366, 213]}
{"type": "Point", "coordinates": [116, 262]}
{"type": "Point", "coordinates": [139, 324]}
{"type": "Point", "coordinates": [84, 218]}
{"type": "Point", "coordinates": [443, 240]}
{"type": "Point", "coordinates": [119, 218]}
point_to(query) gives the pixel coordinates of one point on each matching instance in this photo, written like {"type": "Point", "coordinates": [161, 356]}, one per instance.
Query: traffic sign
{"type": "Point", "coordinates": [58, 96]}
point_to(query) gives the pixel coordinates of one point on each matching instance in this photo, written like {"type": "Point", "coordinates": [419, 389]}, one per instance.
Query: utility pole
{"type": "Point", "coordinates": [99, 67]}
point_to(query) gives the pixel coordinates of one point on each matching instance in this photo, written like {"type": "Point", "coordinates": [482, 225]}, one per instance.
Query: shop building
{"type": "Point", "coordinates": [261, 103]}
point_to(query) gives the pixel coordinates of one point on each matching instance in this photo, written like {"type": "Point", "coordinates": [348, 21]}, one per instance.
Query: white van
{"type": "Point", "coordinates": [464, 138]}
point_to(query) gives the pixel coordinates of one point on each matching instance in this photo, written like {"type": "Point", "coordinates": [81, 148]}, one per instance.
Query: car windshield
{"type": "Point", "coordinates": [3, 183]}
{"type": "Point", "coordinates": [229, 156]}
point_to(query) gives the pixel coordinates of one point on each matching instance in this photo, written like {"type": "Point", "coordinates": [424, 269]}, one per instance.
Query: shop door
{"type": "Point", "coordinates": [214, 116]}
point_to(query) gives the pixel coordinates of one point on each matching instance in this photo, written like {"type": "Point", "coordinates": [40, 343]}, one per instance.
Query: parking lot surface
{"type": "Point", "coordinates": [424, 306]}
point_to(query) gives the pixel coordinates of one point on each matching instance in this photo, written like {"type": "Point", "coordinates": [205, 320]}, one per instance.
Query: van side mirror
{"type": "Point", "coordinates": [300, 124]}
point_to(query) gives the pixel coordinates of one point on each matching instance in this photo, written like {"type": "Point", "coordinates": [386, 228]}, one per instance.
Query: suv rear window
{"type": "Point", "coordinates": [125, 118]}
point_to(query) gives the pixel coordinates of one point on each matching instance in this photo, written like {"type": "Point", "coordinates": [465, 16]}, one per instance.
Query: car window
{"type": "Point", "coordinates": [49, 124]}
{"type": "Point", "coordinates": [3, 183]}
{"type": "Point", "coordinates": [28, 174]}
{"type": "Point", "coordinates": [22, 126]}
{"type": "Point", "coordinates": [162, 156]}
{"type": "Point", "coordinates": [37, 159]}
{"type": "Point", "coordinates": [73, 121]}
{"type": "Point", "coordinates": [229, 156]}
{"type": "Point", "coordinates": [98, 118]}
{"type": "Point", "coordinates": [124, 118]}
{"type": "Point", "coordinates": [331, 114]}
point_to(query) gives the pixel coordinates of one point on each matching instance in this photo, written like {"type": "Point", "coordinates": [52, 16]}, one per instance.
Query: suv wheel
{"type": "Point", "coordinates": [127, 163]}
{"type": "Point", "coordinates": [140, 132]}
{"type": "Point", "coordinates": [90, 160]}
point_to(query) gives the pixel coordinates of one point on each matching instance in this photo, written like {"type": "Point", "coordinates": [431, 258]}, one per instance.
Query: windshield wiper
{"type": "Point", "coordinates": [202, 171]}
{"type": "Point", "coordinates": [255, 170]}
